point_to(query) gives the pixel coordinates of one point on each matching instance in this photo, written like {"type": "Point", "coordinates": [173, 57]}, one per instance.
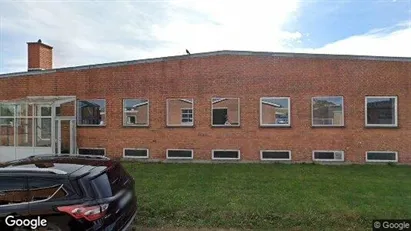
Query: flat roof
{"type": "Point", "coordinates": [208, 54]}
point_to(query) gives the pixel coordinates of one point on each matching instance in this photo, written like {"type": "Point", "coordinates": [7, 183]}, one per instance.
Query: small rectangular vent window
{"type": "Point", "coordinates": [328, 155]}
{"type": "Point", "coordinates": [275, 155]}
{"type": "Point", "coordinates": [226, 154]}
{"type": "Point", "coordinates": [382, 156]}
{"type": "Point", "coordinates": [92, 151]}
{"type": "Point", "coordinates": [135, 153]}
{"type": "Point", "coordinates": [179, 154]}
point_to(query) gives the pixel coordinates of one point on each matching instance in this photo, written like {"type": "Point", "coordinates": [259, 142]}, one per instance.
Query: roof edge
{"type": "Point", "coordinates": [212, 53]}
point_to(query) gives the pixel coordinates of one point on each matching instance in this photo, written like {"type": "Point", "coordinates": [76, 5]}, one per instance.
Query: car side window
{"type": "Point", "coordinates": [45, 189]}
{"type": "Point", "coordinates": [13, 190]}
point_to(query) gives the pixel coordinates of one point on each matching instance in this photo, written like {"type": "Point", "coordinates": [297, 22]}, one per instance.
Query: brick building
{"type": "Point", "coordinates": [224, 105]}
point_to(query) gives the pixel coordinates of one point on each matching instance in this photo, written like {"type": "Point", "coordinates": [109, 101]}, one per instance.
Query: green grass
{"type": "Point", "coordinates": [270, 196]}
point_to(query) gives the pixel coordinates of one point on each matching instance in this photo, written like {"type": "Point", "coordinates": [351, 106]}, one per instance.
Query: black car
{"type": "Point", "coordinates": [66, 192]}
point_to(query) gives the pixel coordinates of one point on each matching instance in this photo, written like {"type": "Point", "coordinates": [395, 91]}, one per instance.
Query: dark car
{"type": "Point", "coordinates": [66, 192]}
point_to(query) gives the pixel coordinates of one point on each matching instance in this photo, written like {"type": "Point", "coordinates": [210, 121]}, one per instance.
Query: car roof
{"type": "Point", "coordinates": [58, 165]}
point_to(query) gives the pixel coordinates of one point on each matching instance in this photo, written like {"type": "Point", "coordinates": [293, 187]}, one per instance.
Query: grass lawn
{"type": "Point", "coordinates": [270, 196]}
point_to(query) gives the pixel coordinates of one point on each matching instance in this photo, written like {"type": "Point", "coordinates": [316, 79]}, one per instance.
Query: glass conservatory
{"type": "Point", "coordinates": [37, 125]}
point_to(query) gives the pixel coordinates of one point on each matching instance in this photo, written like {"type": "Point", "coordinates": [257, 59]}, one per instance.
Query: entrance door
{"type": "Point", "coordinates": [66, 136]}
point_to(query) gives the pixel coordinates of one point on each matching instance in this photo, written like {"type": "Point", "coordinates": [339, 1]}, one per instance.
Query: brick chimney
{"type": "Point", "coordinates": [40, 56]}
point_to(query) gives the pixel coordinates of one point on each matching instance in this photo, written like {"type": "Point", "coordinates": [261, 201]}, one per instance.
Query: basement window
{"type": "Point", "coordinates": [381, 111]}
{"type": "Point", "coordinates": [92, 151]}
{"type": "Point", "coordinates": [275, 111]}
{"type": "Point", "coordinates": [136, 112]}
{"type": "Point", "coordinates": [180, 112]}
{"type": "Point", "coordinates": [179, 154]}
{"type": "Point", "coordinates": [91, 112]}
{"type": "Point", "coordinates": [381, 156]}
{"type": "Point", "coordinates": [327, 111]}
{"type": "Point", "coordinates": [226, 154]}
{"type": "Point", "coordinates": [225, 112]}
{"type": "Point", "coordinates": [328, 155]}
{"type": "Point", "coordinates": [135, 153]}
{"type": "Point", "coordinates": [275, 155]}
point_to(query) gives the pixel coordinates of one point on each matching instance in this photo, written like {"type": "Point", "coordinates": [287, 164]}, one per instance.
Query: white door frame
{"type": "Point", "coordinates": [72, 129]}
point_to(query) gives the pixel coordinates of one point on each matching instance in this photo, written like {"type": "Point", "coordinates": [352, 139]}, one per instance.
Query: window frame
{"type": "Point", "coordinates": [181, 123]}
{"type": "Point", "coordinates": [179, 158]}
{"type": "Point", "coordinates": [395, 125]}
{"type": "Point", "coordinates": [381, 161]}
{"type": "Point", "coordinates": [239, 112]}
{"type": "Point", "coordinates": [78, 151]}
{"type": "Point", "coordinates": [275, 125]}
{"type": "Point", "coordinates": [90, 125]}
{"type": "Point", "coordinates": [328, 125]}
{"type": "Point", "coordinates": [275, 159]}
{"type": "Point", "coordinates": [225, 158]}
{"type": "Point", "coordinates": [328, 160]}
{"type": "Point", "coordinates": [147, 124]}
{"type": "Point", "coordinates": [136, 157]}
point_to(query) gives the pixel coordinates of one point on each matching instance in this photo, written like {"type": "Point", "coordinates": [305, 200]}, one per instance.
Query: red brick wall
{"type": "Point", "coordinates": [246, 77]}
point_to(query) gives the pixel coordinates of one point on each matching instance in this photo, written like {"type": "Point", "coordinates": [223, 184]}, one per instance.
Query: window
{"type": "Point", "coordinates": [327, 111]}
{"type": "Point", "coordinates": [180, 112]}
{"type": "Point", "coordinates": [135, 153]}
{"type": "Point", "coordinates": [13, 190]}
{"type": "Point", "coordinates": [29, 126]}
{"type": "Point", "coordinates": [381, 111]}
{"type": "Point", "coordinates": [6, 124]}
{"type": "Point", "coordinates": [275, 111]}
{"type": "Point", "coordinates": [136, 112]}
{"type": "Point", "coordinates": [24, 129]}
{"type": "Point", "coordinates": [110, 183]}
{"type": "Point", "coordinates": [102, 186]}
{"type": "Point", "coordinates": [225, 154]}
{"type": "Point", "coordinates": [179, 154]}
{"type": "Point", "coordinates": [225, 112]}
{"type": "Point", "coordinates": [91, 112]}
{"type": "Point", "coordinates": [7, 110]}
{"type": "Point", "coordinates": [44, 122]}
{"type": "Point", "coordinates": [328, 155]}
{"type": "Point", "coordinates": [92, 151]}
{"type": "Point", "coordinates": [381, 156]}
{"type": "Point", "coordinates": [45, 189]}
{"type": "Point", "coordinates": [6, 114]}
{"type": "Point", "coordinates": [275, 155]}
{"type": "Point", "coordinates": [6, 132]}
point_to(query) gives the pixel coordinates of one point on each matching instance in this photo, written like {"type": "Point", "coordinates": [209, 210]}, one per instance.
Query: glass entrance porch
{"type": "Point", "coordinates": [37, 125]}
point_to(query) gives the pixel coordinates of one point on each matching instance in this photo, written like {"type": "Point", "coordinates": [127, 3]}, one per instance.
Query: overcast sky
{"type": "Point", "coordinates": [92, 31]}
